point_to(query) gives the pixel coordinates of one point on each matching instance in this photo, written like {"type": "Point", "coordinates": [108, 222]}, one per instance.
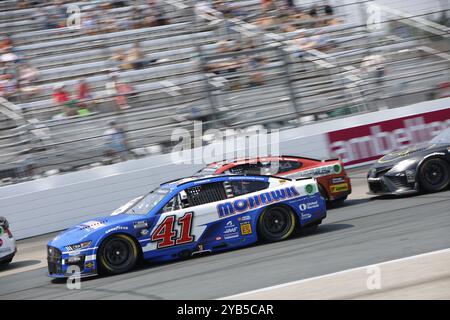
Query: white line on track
{"type": "Point", "coordinates": [297, 282]}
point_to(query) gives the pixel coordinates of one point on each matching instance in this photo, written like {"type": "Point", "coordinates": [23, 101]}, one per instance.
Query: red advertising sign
{"type": "Point", "coordinates": [370, 142]}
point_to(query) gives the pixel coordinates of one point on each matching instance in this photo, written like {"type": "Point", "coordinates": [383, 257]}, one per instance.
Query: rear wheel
{"type": "Point", "coordinates": [117, 254]}
{"type": "Point", "coordinates": [276, 223]}
{"type": "Point", "coordinates": [322, 192]}
{"type": "Point", "coordinates": [434, 175]}
{"type": "Point", "coordinates": [337, 202]}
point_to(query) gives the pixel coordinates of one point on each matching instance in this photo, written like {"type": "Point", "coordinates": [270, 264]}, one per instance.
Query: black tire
{"type": "Point", "coordinates": [339, 202]}
{"type": "Point", "coordinates": [5, 263]}
{"type": "Point", "coordinates": [276, 223]}
{"type": "Point", "coordinates": [323, 192]}
{"type": "Point", "coordinates": [434, 175]}
{"type": "Point", "coordinates": [117, 254]}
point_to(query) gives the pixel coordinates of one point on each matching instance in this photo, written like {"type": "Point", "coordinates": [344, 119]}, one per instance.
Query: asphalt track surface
{"type": "Point", "coordinates": [365, 230]}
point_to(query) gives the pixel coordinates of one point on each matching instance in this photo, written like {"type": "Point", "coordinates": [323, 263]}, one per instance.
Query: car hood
{"type": "Point", "coordinates": [410, 152]}
{"type": "Point", "coordinates": [93, 229]}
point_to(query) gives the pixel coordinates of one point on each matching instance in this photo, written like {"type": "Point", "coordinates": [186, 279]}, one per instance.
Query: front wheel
{"type": "Point", "coordinates": [5, 263]}
{"type": "Point", "coordinates": [276, 223]}
{"type": "Point", "coordinates": [434, 175]}
{"type": "Point", "coordinates": [117, 254]}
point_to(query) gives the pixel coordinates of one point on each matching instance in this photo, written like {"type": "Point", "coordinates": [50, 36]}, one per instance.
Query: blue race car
{"type": "Point", "coordinates": [185, 217]}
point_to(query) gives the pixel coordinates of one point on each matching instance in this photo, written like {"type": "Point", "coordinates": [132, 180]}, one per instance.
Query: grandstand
{"type": "Point", "coordinates": [233, 64]}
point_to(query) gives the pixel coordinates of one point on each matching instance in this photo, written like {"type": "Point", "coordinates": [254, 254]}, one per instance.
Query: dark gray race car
{"type": "Point", "coordinates": [424, 168]}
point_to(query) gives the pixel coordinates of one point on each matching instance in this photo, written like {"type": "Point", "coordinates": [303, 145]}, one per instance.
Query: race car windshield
{"type": "Point", "coordinates": [148, 202]}
{"type": "Point", "coordinates": [443, 137]}
{"type": "Point", "coordinates": [124, 207]}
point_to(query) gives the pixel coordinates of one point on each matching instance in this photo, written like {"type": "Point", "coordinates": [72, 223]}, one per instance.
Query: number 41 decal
{"type": "Point", "coordinates": [166, 235]}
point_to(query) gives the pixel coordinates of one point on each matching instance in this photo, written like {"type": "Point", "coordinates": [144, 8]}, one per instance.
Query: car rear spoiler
{"type": "Point", "coordinates": [313, 159]}
{"type": "Point", "coordinates": [331, 159]}
{"type": "Point", "coordinates": [304, 178]}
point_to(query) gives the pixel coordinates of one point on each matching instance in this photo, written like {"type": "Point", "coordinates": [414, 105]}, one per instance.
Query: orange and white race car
{"type": "Point", "coordinates": [334, 184]}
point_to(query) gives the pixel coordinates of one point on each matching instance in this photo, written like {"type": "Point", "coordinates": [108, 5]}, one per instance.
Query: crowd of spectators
{"type": "Point", "coordinates": [239, 56]}
{"type": "Point", "coordinates": [133, 58]}
{"type": "Point", "coordinates": [96, 17]}
{"type": "Point", "coordinates": [287, 18]}
{"type": "Point", "coordinates": [17, 76]}
{"type": "Point", "coordinates": [82, 101]}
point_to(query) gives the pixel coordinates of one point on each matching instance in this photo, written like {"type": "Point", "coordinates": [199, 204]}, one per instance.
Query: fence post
{"type": "Point", "coordinates": [289, 82]}
{"type": "Point", "coordinates": [201, 62]}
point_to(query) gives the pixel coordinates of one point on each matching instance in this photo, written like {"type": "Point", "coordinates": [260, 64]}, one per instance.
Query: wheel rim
{"type": "Point", "coordinates": [435, 174]}
{"type": "Point", "coordinates": [276, 222]}
{"type": "Point", "coordinates": [117, 252]}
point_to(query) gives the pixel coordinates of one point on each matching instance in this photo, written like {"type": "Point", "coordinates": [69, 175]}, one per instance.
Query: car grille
{"type": "Point", "coordinates": [54, 260]}
{"type": "Point", "coordinates": [399, 182]}
{"type": "Point", "coordinates": [375, 186]}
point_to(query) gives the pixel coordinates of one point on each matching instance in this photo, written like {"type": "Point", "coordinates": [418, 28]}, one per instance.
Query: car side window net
{"type": "Point", "coordinates": [205, 193]}
{"type": "Point", "coordinates": [239, 188]}
{"type": "Point", "coordinates": [285, 166]}
{"type": "Point", "coordinates": [248, 168]}
{"type": "Point", "coordinates": [172, 205]}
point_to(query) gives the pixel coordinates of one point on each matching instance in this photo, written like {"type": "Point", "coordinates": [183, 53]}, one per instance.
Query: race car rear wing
{"type": "Point", "coordinates": [313, 159]}
{"type": "Point", "coordinates": [331, 159]}
{"type": "Point", "coordinates": [304, 178]}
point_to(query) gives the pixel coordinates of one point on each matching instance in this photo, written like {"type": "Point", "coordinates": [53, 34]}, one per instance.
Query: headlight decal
{"type": "Point", "coordinates": [78, 246]}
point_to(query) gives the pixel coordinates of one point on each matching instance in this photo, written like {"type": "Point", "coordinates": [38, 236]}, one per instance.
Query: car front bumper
{"type": "Point", "coordinates": [60, 265]}
{"type": "Point", "coordinates": [8, 257]}
{"type": "Point", "coordinates": [391, 185]}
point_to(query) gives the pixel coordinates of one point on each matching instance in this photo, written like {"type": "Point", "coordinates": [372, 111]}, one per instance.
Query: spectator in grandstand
{"type": "Point", "coordinates": [328, 10]}
{"type": "Point", "coordinates": [116, 141]}
{"type": "Point", "coordinates": [265, 21]}
{"type": "Point", "coordinates": [302, 44]}
{"type": "Point", "coordinates": [119, 91]}
{"type": "Point", "coordinates": [135, 57]}
{"type": "Point", "coordinates": [27, 73]}
{"type": "Point", "coordinates": [52, 20]}
{"type": "Point", "coordinates": [158, 12]}
{"type": "Point", "coordinates": [23, 4]}
{"type": "Point", "coordinates": [290, 4]}
{"type": "Point", "coordinates": [8, 87]}
{"type": "Point", "coordinates": [107, 20]}
{"type": "Point", "coordinates": [330, 20]}
{"type": "Point", "coordinates": [118, 60]}
{"type": "Point", "coordinates": [9, 57]}
{"type": "Point", "coordinates": [255, 62]}
{"type": "Point", "coordinates": [226, 64]}
{"type": "Point", "coordinates": [57, 16]}
{"type": "Point", "coordinates": [84, 96]}
{"type": "Point", "coordinates": [6, 44]}
{"type": "Point", "coordinates": [138, 17]}
{"type": "Point", "coordinates": [372, 66]}
{"type": "Point", "coordinates": [90, 23]}
{"type": "Point", "coordinates": [84, 91]}
{"type": "Point", "coordinates": [227, 9]}
{"type": "Point", "coordinates": [267, 5]}
{"type": "Point", "coordinates": [313, 12]}
{"type": "Point", "coordinates": [62, 99]}
{"type": "Point", "coordinates": [39, 16]}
